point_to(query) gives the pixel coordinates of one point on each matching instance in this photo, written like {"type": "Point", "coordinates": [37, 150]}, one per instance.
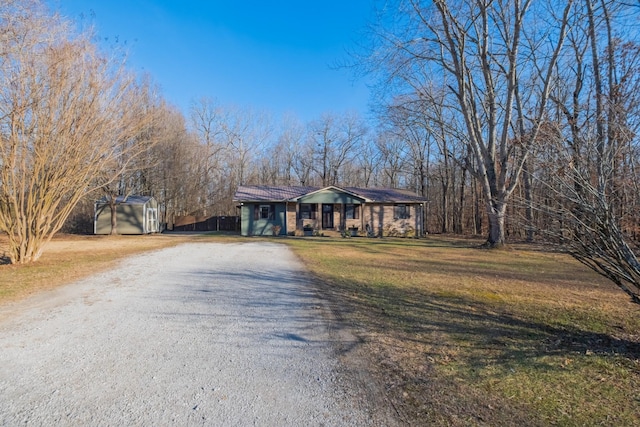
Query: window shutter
{"type": "Point", "coordinates": [256, 212]}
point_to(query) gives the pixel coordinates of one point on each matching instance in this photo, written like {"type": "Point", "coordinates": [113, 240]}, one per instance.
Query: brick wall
{"type": "Point", "coordinates": [382, 222]}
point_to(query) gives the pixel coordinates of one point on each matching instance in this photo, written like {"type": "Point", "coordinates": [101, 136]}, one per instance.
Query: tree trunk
{"type": "Point", "coordinates": [459, 223]}
{"type": "Point", "coordinates": [528, 199]}
{"type": "Point", "coordinates": [445, 205]}
{"type": "Point", "coordinates": [114, 218]}
{"type": "Point", "coordinates": [496, 214]}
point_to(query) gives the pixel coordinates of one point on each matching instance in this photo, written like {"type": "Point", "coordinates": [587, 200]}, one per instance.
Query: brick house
{"type": "Point", "coordinates": [297, 210]}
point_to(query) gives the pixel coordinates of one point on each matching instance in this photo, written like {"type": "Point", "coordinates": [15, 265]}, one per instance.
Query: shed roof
{"type": "Point", "coordinates": [132, 200]}
{"type": "Point", "coordinates": [264, 193]}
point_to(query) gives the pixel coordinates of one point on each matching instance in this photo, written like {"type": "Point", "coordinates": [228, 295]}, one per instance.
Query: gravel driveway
{"type": "Point", "coordinates": [200, 334]}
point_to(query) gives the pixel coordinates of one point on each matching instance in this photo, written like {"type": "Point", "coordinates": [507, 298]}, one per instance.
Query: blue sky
{"type": "Point", "coordinates": [278, 56]}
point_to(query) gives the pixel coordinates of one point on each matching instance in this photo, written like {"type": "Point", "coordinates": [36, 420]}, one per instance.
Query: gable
{"type": "Point", "coordinates": [331, 195]}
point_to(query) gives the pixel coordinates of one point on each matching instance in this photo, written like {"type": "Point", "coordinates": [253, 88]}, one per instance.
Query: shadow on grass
{"type": "Point", "coordinates": [497, 337]}
{"type": "Point", "coordinates": [486, 326]}
{"type": "Point", "coordinates": [440, 352]}
{"type": "Point", "coordinates": [466, 338]}
{"type": "Point", "coordinates": [4, 260]}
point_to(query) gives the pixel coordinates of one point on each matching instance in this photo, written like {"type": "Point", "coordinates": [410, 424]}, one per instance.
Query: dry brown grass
{"type": "Point", "coordinates": [464, 336]}
{"type": "Point", "coordinates": [67, 258]}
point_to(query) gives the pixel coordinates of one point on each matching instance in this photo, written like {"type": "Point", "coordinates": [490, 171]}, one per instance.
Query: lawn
{"type": "Point", "coordinates": [456, 335]}
{"type": "Point", "coordinates": [465, 336]}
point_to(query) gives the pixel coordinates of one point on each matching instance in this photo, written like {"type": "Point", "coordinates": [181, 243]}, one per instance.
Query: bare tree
{"type": "Point", "coordinates": [419, 120]}
{"type": "Point", "coordinates": [174, 179]}
{"type": "Point", "coordinates": [128, 170]}
{"type": "Point", "coordinates": [303, 162]}
{"type": "Point", "coordinates": [323, 135]}
{"type": "Point", "coordinates": [594, 149]}
{"type": "Point", "coordinates": [393, 156]}
{"type": "Point", "coordinates": [366, 165]}
{"type": "Point", "coordinates": [279, 159]}
{"type": "Point", "coordinates": [64, 107]}
{"type": "Point", "coordinates": [289, 143]}
{"type": "Point", "coordinates": [246, 133]}
{"type": "Point", "coordinates": [481, 53]}
{"type": "Point", "coordinates": [206, 120]}
{"type": "Point", "coordinates": [337, 140]}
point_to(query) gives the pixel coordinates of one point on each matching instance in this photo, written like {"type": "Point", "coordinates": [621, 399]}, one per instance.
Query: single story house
{"type": "Point", "coordinates": [134, 215]}
{"type": "Point", "coordinates": [297, 210]}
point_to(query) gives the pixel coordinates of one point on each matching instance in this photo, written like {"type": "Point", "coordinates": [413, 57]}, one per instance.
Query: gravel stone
{"type": "Point", "coordinates": [200, 334]}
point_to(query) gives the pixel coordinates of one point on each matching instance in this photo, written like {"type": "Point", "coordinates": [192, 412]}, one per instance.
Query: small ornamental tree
{"type": "Point", "coordinates": [64, 110]}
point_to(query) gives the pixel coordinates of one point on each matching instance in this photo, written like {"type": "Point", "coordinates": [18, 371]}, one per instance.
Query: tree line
{"type": "Point", "coordinates": [515, 119]}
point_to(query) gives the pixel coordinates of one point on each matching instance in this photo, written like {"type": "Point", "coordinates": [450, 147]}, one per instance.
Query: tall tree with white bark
{"type": "Point", "coordinates": [481, 52]}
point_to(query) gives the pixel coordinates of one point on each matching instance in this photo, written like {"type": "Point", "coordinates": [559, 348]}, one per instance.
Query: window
{"type": "Point", "coordinates": [352, 211]}
{"type": "Point", "coordinates": [264, 212]}
{"type": "Point", "coordinates": [401, 212]}
{"type": "Point", "coordinates": [308, 211]}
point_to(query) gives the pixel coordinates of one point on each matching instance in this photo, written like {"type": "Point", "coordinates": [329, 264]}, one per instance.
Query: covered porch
{"type": "Point", "coordinates": [328, 209]}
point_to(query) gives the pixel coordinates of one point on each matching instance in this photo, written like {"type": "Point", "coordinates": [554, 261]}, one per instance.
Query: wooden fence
{"type": "Point", "coordinates": [213, 223]}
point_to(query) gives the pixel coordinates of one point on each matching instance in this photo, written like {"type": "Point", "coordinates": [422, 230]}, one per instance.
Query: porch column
{"type": "Point", "coordinates": [291, 218]}
{"type": "Point", "coordinates": [362, 221]}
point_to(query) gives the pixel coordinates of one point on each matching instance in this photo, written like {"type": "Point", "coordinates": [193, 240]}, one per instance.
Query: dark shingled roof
{"type": "Point", "coordinates": [387, 195]}
{"type": "Point", "coordinates": [264, 193]}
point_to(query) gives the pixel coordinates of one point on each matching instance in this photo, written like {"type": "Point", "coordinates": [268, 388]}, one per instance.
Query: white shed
{"type": "Point", "coordinates": [134, 215]}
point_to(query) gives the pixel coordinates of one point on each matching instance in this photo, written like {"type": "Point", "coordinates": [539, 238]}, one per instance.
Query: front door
{"type": "Point", "coordinates": [327, 216]}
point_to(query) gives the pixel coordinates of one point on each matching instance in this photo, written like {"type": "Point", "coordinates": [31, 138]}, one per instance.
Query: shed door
{"type": "Point", "coordinates": [327, 216]}
{"type": "Point", "coordinates": [152, 221]}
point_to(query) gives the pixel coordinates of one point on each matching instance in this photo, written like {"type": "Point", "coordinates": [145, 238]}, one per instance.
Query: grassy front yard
{"type": "Point", "coordinates": [464, 336]}
{"type": "Point", "coordinates": [457, 335]}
